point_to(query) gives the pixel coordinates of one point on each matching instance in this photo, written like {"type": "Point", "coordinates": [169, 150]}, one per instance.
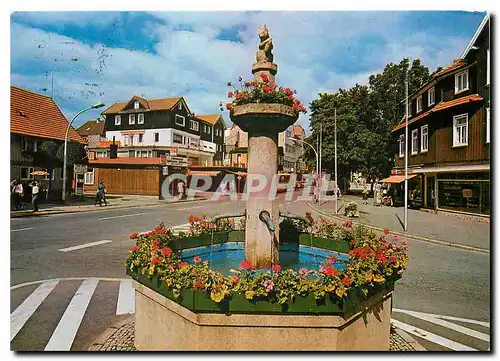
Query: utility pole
{"type": "Point", "coordinates": [336, 185]}
{"type": "Point", "coordinates": [320, 170]}
{"type": "Point", "coordinates": [406, 153]}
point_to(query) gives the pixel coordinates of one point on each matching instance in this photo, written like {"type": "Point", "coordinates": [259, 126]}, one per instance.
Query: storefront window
{"type": "Point", "coordinates": [464, 196]}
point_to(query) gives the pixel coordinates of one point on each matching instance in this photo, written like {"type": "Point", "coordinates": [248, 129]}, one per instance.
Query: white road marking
{"type": "Point", "coordinates": [85, 245]}
{"type": "Point", "coordinates": [26, 309]}
{"type": "Point", "coordinates": [122, 216]}
{"type": "Point", "coordinates": [65, 332]}
{"type": "Point", "coordinates": [452, 345]}
{"type": "Point", "coordinates": [453, 326]}
{"type": "Point", "coordinates": [20, 229]}
{"type": "Point", "coordinates": [451, 318]}
{"type": "Point", "coordinates": [126, 298]}
{"type": "Point", "coordinates": [188, 208]}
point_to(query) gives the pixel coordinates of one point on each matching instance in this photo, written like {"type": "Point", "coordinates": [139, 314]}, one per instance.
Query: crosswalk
{"type": "Point", "coordinates": [70, 313]}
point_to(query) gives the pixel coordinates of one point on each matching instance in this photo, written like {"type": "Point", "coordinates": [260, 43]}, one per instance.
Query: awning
{"type": "Point", "coordinates": [39, 172]}
{"type": "Point", "coordinates": [209, 173]}
{"type": "Point", "coordinates": [397, 178]}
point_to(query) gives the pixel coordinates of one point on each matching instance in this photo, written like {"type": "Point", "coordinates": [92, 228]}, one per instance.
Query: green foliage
{"type": "Point", "coordinates": [366, 114]}
{"type": "Point", "coordinates": [75, 153]}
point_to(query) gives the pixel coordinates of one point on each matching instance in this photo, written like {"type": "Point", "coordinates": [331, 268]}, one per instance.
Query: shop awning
{"type": "Point", "coordinates": [397, 178]}
{"type": "Point", "coordinates": [210, 173]}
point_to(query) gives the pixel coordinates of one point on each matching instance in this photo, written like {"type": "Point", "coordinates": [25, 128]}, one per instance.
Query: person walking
{"type": "Point", "coordinates": [101, 189]}
{"type": "Point", "coordinates": [35, 191]}
{"type": "Point", "coordinates": [365, 194]}
{"type": "Point", "coordinates": [18, 193]}
{"type": "Point", "coordinates": [180, 190]}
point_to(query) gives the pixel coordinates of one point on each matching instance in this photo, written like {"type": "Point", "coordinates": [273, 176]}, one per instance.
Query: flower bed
{"type": "Point", "coordinates": [374, 263]}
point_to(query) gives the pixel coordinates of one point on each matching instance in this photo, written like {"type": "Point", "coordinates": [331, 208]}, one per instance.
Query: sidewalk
{"type": "Point", "coordinates": [87, 205]}
{"type": "Point", "coordinates": [121, 338]}
{"type": "Point", "coordinates": [441, 227]}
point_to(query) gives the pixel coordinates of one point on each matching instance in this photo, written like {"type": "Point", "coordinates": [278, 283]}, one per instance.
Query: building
{"type": "Point", "coordinates": [289, 151]}
{"type": "Point", "coordinates": [449, 134]}
{"type": "Point", "coordinates": [37, 132]}
{"type": "Point", "coordinates": [92, 132]}
{"type": "Point", "coordinates": [153, 128]}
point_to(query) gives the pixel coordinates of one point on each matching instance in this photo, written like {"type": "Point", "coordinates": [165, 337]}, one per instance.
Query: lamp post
{"type": "Point", "coordinates": [315, 152]}
{"type": "Point", "coordinates": [95, 106]}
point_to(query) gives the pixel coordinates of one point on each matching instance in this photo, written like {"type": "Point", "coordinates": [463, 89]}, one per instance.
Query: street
{"type": "Point", "coordinates": [86, 252]}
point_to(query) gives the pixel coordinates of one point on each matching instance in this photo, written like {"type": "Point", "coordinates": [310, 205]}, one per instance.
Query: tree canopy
{"type": "Point", "coordinates": [366, 114]}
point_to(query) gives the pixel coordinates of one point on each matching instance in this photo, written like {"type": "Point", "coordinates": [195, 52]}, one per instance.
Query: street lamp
{"type": "Point", "coordinates": [95, 106]}
{"type": "Point", "coordinates": [315, 152]}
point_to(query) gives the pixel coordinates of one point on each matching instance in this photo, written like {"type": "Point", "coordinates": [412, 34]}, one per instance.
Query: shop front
{"type": "Point", "coordinates": [393, 190]}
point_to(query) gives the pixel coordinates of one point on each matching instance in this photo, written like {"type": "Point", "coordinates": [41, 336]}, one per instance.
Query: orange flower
{"type": "Point", "coordinates": [347, 281]}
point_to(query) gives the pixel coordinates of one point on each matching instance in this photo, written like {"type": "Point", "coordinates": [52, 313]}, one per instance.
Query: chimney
{"type": "Point", "coordinates": [113, 150]}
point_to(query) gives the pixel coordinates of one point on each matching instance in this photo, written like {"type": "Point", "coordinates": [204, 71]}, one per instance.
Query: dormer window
{"type": "Point", "coordinates": [131, 119]}
{"type": "Point", "coordinates": [461, 81]}
{"type": "Point", "coordinates": [179, 106]}
{"type": "Point", "coordinates": [136, 105]}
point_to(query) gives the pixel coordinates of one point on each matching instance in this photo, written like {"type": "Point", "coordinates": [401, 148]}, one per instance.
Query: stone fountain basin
{"type": "Point", "coordinates": [195, 322]}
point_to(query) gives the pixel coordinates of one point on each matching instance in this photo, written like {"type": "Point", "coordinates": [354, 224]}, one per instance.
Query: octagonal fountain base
{"type": "Point", "coordinates": [162, 324]}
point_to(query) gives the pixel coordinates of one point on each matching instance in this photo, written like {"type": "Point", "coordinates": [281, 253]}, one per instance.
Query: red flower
{"type": "Point", "coordinates": [156, 242]}
{"type": "Point", "coordinates": [353, 243]}
{"type": "Point", "coordinates": [198, 284]}
{"type": "Point", "coordinates": [133, 235]}
{"type": "Point", "coordinates": [155, 248]}
{"type": "Point", "coordinates": [134, 248]}
{"type": "Point", "coordinates": [276, 268]}
{"type": "Point", "coordinates": [156, 260]}
{"type": "Point", "coordinates": [330, 271]}
{"type": "Point", "coordinates": [183, 264]}
{"type": "Point", "coordinates": [288, 92]}
{"type": "Point", "coordinates": [166, 251]}
{"type": "Point", "coordinates": [347, 281]}
{"type": "Point", "coordinates": [196, 259]}
{"type": "Point", "coordinates": [331, 260]}
{"type": "Point", "coordinates": [235, 279]}
{"type": "Point", "coordinates": [230, 94]}
{"type": "Point", "coordinates": [229, 106]}
{"type": "Point", "coordinates": [404, 243]}
{"type": "Point", "coordinates": [245, 265]}
{"type": "Point", "coordinates": [264, 77]}
{"type": "Point", "coordinates": [386, 231]}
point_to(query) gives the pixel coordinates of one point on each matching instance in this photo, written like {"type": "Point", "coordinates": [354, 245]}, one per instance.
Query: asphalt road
{"type": "Point", "coordinates": [440, 280]}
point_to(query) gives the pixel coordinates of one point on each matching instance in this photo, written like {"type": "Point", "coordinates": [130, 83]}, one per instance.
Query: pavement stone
{"type": "Point", "coordinates": [121, 338]}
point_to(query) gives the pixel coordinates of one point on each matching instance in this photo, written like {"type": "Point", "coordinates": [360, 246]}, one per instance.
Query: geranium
{"type": "Point", "coordinates": [155, 260]}
{"type": "Point", "coordinates": [386, 231]}
{"type": "Point", "coordinates": [166, 251]}
{"type": "Point", "coordinates": [230, 94]}
{"type": "Point", "coordinates": [346, 281]}
{"type": "Point", "coordinates": [303, 271]}
{"type": "Point", "coordinates": [331, 260]}
{"type": "Point", "coordinates": [276, 268]}
{"type": "Point", "coordinates": [329, 271]}
{"type": "Point", "coordinates": [196, 259]}
{"type": "Point", "coordinates": [269, 285]}
{"type": "Point", "coordinates": [133, 235]}
{"type": "Point", "coordinates": [246, 265]}
{"type": "Point", "coordinates": [183, 264]}
{"type": "Point", "coordinates": [134, 248]}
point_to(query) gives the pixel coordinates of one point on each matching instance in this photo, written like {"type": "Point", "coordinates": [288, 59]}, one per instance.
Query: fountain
{"type": "Point", "coordinates": [183, 306]}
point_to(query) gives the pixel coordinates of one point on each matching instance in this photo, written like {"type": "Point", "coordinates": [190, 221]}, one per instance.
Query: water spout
{"type": "Point", "coordinates": [265, 217]}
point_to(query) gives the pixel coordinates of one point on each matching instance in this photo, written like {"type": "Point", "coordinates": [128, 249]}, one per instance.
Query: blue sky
{"type": "Point", "coordinates": [111, 56]}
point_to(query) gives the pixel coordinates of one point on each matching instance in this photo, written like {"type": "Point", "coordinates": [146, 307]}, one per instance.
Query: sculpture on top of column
{"type": "Point", "coordinates": [264, 54]}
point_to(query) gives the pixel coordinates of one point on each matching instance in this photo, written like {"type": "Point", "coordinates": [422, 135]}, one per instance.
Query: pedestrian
{"type": "Point", "coordinates": [35, 190]}
{"type": "Point", "coordinates": [365, 194]}
{"type": "Point", "coordinates": [18, 193]}
{"type": "Point", "coordinates": [101, 189]}
{"type": "Point", "coordinates": [180, 190]}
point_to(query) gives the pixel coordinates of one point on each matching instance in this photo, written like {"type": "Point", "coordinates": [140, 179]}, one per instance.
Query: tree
{"type": "Point", "coordinates": [75, 153]}
{"type": "Point", "coordinates": [366, 114]}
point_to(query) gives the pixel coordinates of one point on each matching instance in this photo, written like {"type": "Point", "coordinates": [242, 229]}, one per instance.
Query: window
{"type": "Point", "coordinates": [487, 124]}
{"type": "Point", "coordinates": [209, 129]}
{"type": "Point", "coordinates": [409, 109]}
{"type": "Point", "coordinates": [118, 119]}
{"type": "Point", "coordinates": [401, 146]}
{"type": "Point", "coordinates": [424, 138]}
{"type": "Point", "coordinates": [194, 125]}
{"type": "Point", "coordinates": [431, 96]}
{"type": "Point", "coordinates": [157, 137]}
{"type": "Point", "coordinates": [47, 176]}
{"type": "Point", "coordinates": [419, 104]}
{"type": "Point", "coordinates": [26, 172]}
{"type": "Point", "coordinates": [89, 176]}
{"type": "Point", "coordinates": [177, 138]}
{"type": "Point", "coordinates": [141, 154]}
{"type": "Point", "coordinates": [488, 67]}
{"type": "Point", "coordinates": [136, 105]}
{"type": "Point", "coordinates": [180, 120]}
{"type": "Point", "coordinates": [179, 106]}
{"type": "Point", "coordinates": [131, 119]}
{"type": "Point", "coordinates": [140, 118]}
{"type": "Point", "coordinates": [125, 140]}
{"type": "Point", "coordinates": [460, 130]}
{"type": "Point", "coordinates": [141, 137]}
{"type": "Point", "coordinates": [461, 81]}
{"type": "Point", "coordinates": [414, 141]}
{"type": "Point", "coordinates": [29, 145]}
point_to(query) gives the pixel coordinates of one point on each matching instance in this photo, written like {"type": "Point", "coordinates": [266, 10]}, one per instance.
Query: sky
{"type": "Point", "coordinates": [111, 56]}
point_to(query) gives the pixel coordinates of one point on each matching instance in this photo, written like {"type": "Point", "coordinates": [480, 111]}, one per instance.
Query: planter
{"type": "Point", "coordinates": [325, 243]}
{"type": "Point", "coordinates": [263, 118]}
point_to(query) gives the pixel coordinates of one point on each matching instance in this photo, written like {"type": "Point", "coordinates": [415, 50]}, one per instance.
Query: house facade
{"type": "Point", "coordinates": [37, 131]}
{"type": "Point", "coordinates": [162, 127]}
{"type": "Point", "coordinates": [92, 132]}
{"type": "Point", "coordinates": [449, 134]}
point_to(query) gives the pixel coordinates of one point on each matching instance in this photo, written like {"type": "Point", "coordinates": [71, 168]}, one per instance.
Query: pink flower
{"type": "Point", "coordinates": [386, 231]}
{"type": "Point", "coordinates": [395, 237]}
{"type": "Point", "coordinates": [134, 248]}
{"type": "Point", "coordinates": [404, 242]}
{"type": "Point", "coordinates": [246, 265]}
{"type": "Point", "coordinates": [276, 268]}
{"type": "Point", "coordinates": [304, 271]}
{"type": "Point", "coordinates": [196, 259]}
{"type": "Point", "coordinates": [269, 285]}
{"type": "Point", "coordinates": [133, 235]}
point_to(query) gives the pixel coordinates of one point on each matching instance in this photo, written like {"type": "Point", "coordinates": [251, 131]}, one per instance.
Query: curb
{"type": "Point", "coordinates": [48, 212]}
{"type": "Point", "coordinates": [402, 234]}
{"type": "Point", "coordinates": [100, 343]}
{"type": "Point", "coordinates": [410, 340]}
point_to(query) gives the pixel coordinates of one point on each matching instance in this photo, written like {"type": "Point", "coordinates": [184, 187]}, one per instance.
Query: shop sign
{"type": "Point", "coordinates": [467, 193]}
{"type": "Point", "coordinates": [80, 169]}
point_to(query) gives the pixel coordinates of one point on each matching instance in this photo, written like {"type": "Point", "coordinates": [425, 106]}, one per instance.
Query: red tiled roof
{"type": "Point", "coordinates": [38, 115]}
{"type": "Point", "coordinates": [91, 127]}
{"type": "Point", "coordinates": [457, 63]}
{"type": "Point", "coordinates": [208, 118]}
{"type": "Point", "coordinates": [153, 104]}
{"type": "Point", "coordinates": [126, 160]}
{"type": "Point", "coordinates": [107, 143]}
{"type": "Point", "coordinates": [440, 106]}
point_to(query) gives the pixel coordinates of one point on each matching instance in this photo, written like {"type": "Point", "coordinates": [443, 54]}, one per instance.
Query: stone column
{"type": "Point", "coordinates": [261, 247]}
